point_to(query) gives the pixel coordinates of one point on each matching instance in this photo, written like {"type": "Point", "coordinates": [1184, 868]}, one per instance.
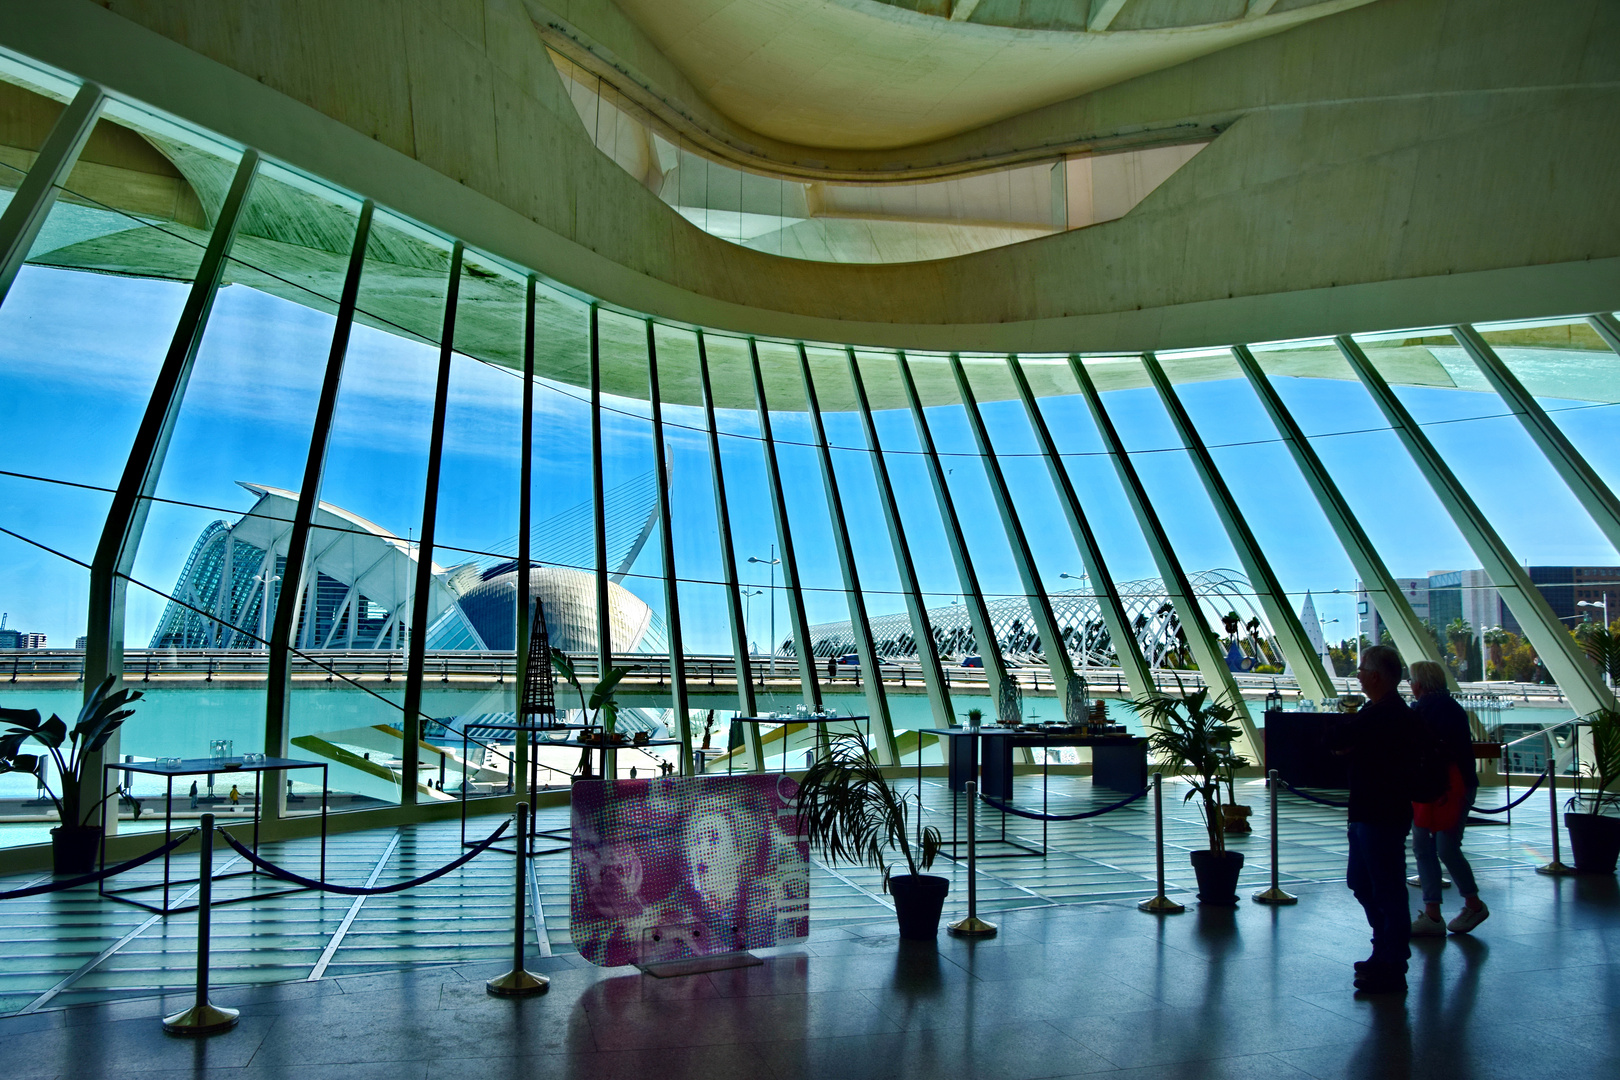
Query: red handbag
{"type": "Point", "coordinates": [1444, 813]}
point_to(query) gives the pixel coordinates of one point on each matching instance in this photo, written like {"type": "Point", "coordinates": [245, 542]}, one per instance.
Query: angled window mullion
{"type": "Point", "coordinates": [728, 564]}
{"type": "Point", "coordinates": [520, 753]}
{"type": "Point", "coordinates": [604, 624]}
{"type": "Point", "coordinates": [1412, 639]}
{"type": "Point", "coordinates": [1608, 328]}
{"type": "Point", "coordinates": [995, 672]}
{"type": "Point", "coordinates": [1297, 648]}
{"type": "Point", "coordinates": [1040, 605]}
{"type": "Point", "coordinates": [1138, 673]}
{"type": "Point", "coordinates": [1557, 649]}
{"type": "Point", "coordinates": [421, 603]}
{"type": "Point", "coordinates": [1211, 664]}
{"type": "Point", "coordinates": [1594, 495]}
{"type": "Point", "coordinates": [876, 699]}
{"type": "Point", "coordinates": [939, 697]}
{"type": "Point", "coordinates": [672, 600]}
{"type": "Point", "coordinates": [126, 514]}
{"type": "Point", "coordinates": [784, 535]}
{"type": "Point", "coordinates": [31, 203]}
{"type": "Point", "coordinates": [279, 647]}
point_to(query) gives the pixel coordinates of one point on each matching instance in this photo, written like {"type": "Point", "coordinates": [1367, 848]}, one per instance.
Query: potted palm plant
{"type": "Point", "coordinates": [850, 813]}
{"type": "Point", "coordinates": [1193, 736]}
{"type": "Point", "coordinates": [75, 841]}
{"type": "Point", "coordinates": [1590, 815]}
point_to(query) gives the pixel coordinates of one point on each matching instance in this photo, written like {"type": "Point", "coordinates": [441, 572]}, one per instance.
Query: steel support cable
{"type": "Point", "coordinates": [359, 890]}
{"type": "Point", "coordinates": [1030, 814]}
{"type": "Point", "coordinates": [97, 875]}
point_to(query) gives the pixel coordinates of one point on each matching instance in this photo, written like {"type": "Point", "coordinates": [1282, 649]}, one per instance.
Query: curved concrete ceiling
{"type": "Point", "coordinates": [864, 74]}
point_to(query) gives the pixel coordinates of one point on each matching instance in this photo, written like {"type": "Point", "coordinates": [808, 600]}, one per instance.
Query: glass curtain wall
{"type": "Point", "coordinates": [79, 353]}
{"type": "Point", "coordinates": [214, 548]}
{"type": "Point", "coordinates": [637, 611]}
{"type": "Point", "coordinates": [562, 533]}
{"type": "Point", "coordinates": [753, 528]}
{"type": "Point", "coordinates": [1269, 491]}
{"type": "Point", "coordinates": [476, 540]}
{"type": "Point", "coordinates": [369, 521]}
{"type": "Point", "coordinates": [919, 513]}
{"type": "Point", "coordinates": [705, 615]}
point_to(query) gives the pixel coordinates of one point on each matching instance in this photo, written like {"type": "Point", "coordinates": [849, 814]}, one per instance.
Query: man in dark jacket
{"type": "Point", "coordinates": [1376, 741]}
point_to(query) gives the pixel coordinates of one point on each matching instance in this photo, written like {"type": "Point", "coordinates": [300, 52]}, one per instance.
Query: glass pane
{"type": "Point", "coordinates": [217, 534]}
{"type": "Point", "coordinates": [78, 356]}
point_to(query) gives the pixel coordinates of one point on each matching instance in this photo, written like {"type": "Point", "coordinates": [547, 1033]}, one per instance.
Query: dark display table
{"type": "Point", "coordinates": [1296, 745]}
{"type": "Point", "coordinates": [203, 767]}
{"type": "Point", "coordinates": [1117, 761]}
{"type": "Point", "coordinates": [785, 721]}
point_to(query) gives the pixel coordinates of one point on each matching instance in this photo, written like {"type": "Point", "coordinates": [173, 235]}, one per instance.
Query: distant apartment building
{"type": "Point", "coordinates": [21, 639]}
{"type": "Point", "coordinates": [1445, 595]}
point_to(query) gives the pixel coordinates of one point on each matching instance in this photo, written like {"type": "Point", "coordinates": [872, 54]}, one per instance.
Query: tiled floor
{"type": "Point", "coordinates": [1095, 989]}
{"type": "Point", "coordinates": [71, 948]}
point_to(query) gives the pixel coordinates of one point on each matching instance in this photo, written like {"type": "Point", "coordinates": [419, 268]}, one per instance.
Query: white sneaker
{"type": "Point", "coordinates": [1426, 925]}
{"type": "Point", "coordinates": [1417, 882]}
{"type": "Point", "coordinates": [1468, 919]}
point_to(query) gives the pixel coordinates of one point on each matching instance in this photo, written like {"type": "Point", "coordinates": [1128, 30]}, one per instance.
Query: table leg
{"type": "Point", "coordinates": [326, 781]}
{"type": "Point", "coordinates": [168, 821]}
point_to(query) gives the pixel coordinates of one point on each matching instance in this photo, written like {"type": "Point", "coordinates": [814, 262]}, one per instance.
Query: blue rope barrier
{"type": "Point", "coordinates": [1515, 802]}
{"type": "Point", "coordinates": [97, 875]}
{"type": "Point", "coordinates": [1312, 798]}
{"type": "Point", "coordinates": [359, 890]}
{"type": "Point", "coordinates": [1031, 815]}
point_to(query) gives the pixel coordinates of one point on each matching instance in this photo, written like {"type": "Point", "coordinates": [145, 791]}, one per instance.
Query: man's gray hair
{"type": "Point", "coordinates": [1384, 660]}
{"type": "Point", "coordinates": [1429, 675]}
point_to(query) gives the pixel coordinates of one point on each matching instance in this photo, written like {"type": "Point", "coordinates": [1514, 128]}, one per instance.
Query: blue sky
{"type": "Point", "coordinates": [78, 353]}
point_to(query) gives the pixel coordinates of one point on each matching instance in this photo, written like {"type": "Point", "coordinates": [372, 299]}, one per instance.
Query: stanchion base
{"type": "Point", "coordinates": [1275, 896]}
{"type": "Point", "coordinates": [201, 1020]}
{"type": "Point", "coordinates": [518, 983]}
{"type": "Point", "coordinates": [972, 926]}
{"type": "Point", "coordinates": [1555, 869]}
{"type": "Point", "coordinates": [1161, 905]}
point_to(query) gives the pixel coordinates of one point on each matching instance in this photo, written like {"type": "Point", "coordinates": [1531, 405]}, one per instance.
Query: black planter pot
{"type": "Point", "coordinates": [1217, 876]}
{"type": "Point", "coordinates": [1595, 842]}
{"type": "Point", "coordinates": [918, 900]}
{"type": "Point", "coordinates": [74, 848]}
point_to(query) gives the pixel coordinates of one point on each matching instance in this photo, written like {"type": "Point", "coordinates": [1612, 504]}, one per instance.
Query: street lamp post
{"type": "Point", "coordinates": [1085, 650]}
{"type": "Point", "coordinates": [748, 614]}
{"type": "Point", "coordinates": [1604, 604]}
{"type": "Point", "coordinates": [772, 563]}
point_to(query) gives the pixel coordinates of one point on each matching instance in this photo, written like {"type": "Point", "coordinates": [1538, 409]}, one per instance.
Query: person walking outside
{"type": "Point", "coordinates": [194, 794]}
{"type": "Point", "coordinates": [1437, 829]}
{"type": "Point", "coordinates": [236, 795]}
{"type": "Point", "coordinates": [1376, 741]}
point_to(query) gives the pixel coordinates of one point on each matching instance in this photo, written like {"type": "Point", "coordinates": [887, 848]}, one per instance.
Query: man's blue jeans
{"type": "Point", "coordinates": [1377, 877]}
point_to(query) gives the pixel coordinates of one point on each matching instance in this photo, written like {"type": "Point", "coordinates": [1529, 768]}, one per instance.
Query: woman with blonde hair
{"type": "Point", "coordinates": [1437, 827]}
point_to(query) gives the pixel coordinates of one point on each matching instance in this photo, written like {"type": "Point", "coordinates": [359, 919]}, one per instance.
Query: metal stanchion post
{"type": "Point", "coordinates": [972, 926]}
{"type": "Point", "coordinates": [1557, 866]}
{"type": "Point", "coordinates": [1274, 895]}
{"type": "Point", "coordinates": [518, 982]}
{"type": "Point", "coordinates": [1160, 904]}
{"type": "Point", "coordinates": [203, 1018]}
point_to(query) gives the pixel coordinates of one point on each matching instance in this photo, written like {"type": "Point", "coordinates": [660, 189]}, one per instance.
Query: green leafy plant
{"type": "Point", "coordinates": [1602, 769]}
{"type": "Point", "coordinates": [974, 717]}
{"type": "Point", "coordinates": [602, 708]}
{"type": "Point", "coordinates": [103, 713]}
{"type": "Point", "coordinates": [1193, 736]}
{"type": "Point", "coordinates": [851, 814]}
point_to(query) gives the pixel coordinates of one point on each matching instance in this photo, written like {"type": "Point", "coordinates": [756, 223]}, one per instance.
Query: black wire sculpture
{"type": "Point", "coordinates": [539, 706]}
